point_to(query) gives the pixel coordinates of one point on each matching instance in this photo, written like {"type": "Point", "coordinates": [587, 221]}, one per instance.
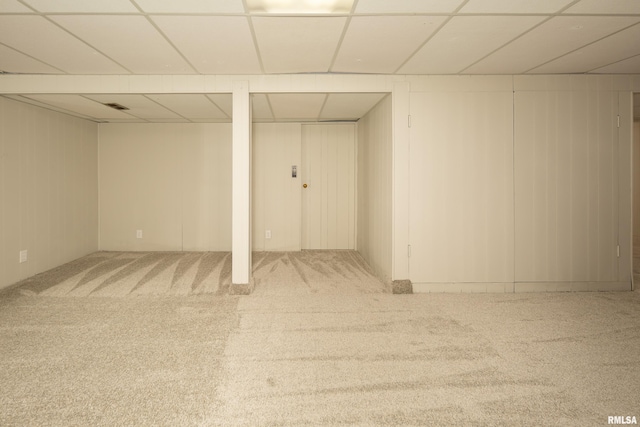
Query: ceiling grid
{"type": "Point", "coordinates": [242, 37]}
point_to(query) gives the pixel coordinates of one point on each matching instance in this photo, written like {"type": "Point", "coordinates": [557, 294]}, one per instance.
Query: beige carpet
{"type": "Point", "coordinates": [121, 274]}
{"type": "Point", "coordinates": [192, 355]}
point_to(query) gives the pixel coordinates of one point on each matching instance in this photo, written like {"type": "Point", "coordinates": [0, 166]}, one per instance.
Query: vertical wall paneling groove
{"type": "Point", "coordinates": [374, 169]}
{"type": "Point", "coordinates": [566, 180]}
{"type": "Point", "coordinates": [276, 194]}
{"type": "Point", "coordinates": [328, 202]}
{"type": "Point", "coordinates": [461, 195]}
{"type": "Point", "coordinates": [48, 189]}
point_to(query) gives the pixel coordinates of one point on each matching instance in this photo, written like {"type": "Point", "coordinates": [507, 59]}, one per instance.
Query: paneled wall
{"type": "Point", "coordinates": [636, 197]}
{"type": "Point", "coordinates": [519, 190]}
{"type": "Point", "coordinates": [172, 181]}
{"type": "Point", "coordinates": [374, 188]}
{"type": "Point", "coordinates": [48, 189]}
{"type": "Point", "coordinates": [566, 186]}
{"type": "Point", "coordinates": [276, 194]}
{"type": "Point", "coordinates": [461, 190]}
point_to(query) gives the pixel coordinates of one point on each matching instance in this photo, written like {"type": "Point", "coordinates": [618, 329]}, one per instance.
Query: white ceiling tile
{"type": "Point", "coordinates": [129, 40]}
{"type": "Point", "coordinates": [12, 6]}
{"type": "Point", "coordinates": [83, 6]}
{"type": "Point", "coordinates": [297, 44]}
{"type": "Point", "coordinates": [81, 105]}
{"type": "Point", "coordinates": [39, 38]}
{"type": "Point", "coordinates": [139, 106]}
{"type": "Point", "coordinates": [16, 62]}
{"type": "Point", "coordinates": [380, 44]}
{"type": "Point", "coordinates": [260, 109]}
{"type": "Point", "coordinates": [223, 101]}
{"type": "Point", "coordinates": [191, 6]}
{"type": "Point", "coordinates": [464, 40]}
{"type": "Point", "coordinates": [607, 7]}
{"type": "Point", "coordinates": [303, 106]}
{"type": "Point", "coordinates": [407, 6]}
{"type": "Point", "coordinates": [550, 40]}
{"type": "Point", "coordinates": [599, 54]}
{"type": "Point", "coordinates": [205, 42]}
{"type": "Point", "coordinates": [349, 106]}
{"type": "Point", "coordinates": [514, 6]}
{"type": "Point", "coordinates": [628, 66]}
{"type": "Point", "coordinates": [190, 106]}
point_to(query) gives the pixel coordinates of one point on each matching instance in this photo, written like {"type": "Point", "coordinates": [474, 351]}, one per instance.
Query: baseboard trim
{"type": "Point", "coordinates": [462, 288]}
{"type": "Point", "coordinates": [572, 286]}
{"type": "Point", "coordinates": [520, 287]}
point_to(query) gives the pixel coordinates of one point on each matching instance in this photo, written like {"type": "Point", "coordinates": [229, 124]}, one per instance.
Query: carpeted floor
{"type": "Point", "coordinates": [193, 355]}
{"type": "Point", "coordinates": [122, 274]}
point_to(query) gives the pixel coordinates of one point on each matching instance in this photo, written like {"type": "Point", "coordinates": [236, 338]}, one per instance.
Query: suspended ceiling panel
{"type": "Point", "coordinates": [86, 6]}
{"type": "Point", "coordinates": [131, 41]}
{"type": "Point", "coordinates": [218, 55]}
{"type": "Point", "coordinates": [514, 6]}
{"type": "Point", "coordinates": [380, 44]}
{"type": "Point", "coordinates": [550, 40]}
{"type": "Point", "coordinates": [191, 6]}
{"type": "Point", "coordinates": [407, 6]}
{"type": "Point", "coordinates": [41, 39]}
{"type": "Point", "coordinates": [370, 36]}
{"type": "Point", "coordinates": [196, 107]}
{"type": "Point", "coordinates": [297, 45]}
{"type": "Point", "coordinates": [349, 106]}
{"type": "Point", "coordinates": [465, 40]}
{"type": "Point", "coordinates": [600, 53]}
{"type": "Point", "coordinates": [12, 6]}
{"type": "Point", "coordinates": [620, 7]}
{"type": "Point", "coordinates": [139, 106]}
{"type": "Point", "coordinates": [296, 106]}
{"type": "Point", "coordinates": [168, 37]}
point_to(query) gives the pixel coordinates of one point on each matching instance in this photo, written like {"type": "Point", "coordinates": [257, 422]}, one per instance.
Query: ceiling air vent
{"type": "Point", "coordinates": [116, 106]}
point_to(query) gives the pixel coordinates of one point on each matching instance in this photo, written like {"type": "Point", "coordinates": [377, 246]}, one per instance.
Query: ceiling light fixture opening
{"type": "Point", "coordinates": [300, 6]}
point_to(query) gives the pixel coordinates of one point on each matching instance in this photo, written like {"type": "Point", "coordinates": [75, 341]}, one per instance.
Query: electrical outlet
{"type": "Point", "coordinates": [138, 234]}
{"type": "Point", "coordinates": [267, 234]}
{"type": "Point", "coordinates": [23, 256]}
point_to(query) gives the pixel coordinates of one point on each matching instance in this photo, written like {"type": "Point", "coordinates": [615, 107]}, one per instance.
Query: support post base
{"type": "Point", "coordinates": [401, 287]}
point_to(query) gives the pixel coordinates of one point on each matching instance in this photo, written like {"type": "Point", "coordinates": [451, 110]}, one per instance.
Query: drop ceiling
{"type": "Point", "coordinates": [453, 37]}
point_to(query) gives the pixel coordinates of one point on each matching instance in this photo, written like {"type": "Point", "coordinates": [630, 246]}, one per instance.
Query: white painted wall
{"type": "Point", "coordinates": [276, 195]}
{"type": "Point", "coordinates": [172, 181]}
{"type": "Point", "coordinates": [566, 187]}
{"type": "Point", "coordinates": [461, 190]}
{"type": "Point", "coordinates": [636, 196]}
{"type": "Point", "coordinates": [48, 189]}
{"type": "Point", "coordinates": [374, 188]}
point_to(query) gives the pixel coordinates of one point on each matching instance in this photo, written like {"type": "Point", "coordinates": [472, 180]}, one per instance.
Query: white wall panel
{"type": "Point", "coordinates": [276, 195]}
{"type": "Point", "coordinates": [374, 188]}
{"type": "Point", "coordinates": [566, 186]}
{"type": "Point", "coordinates": [636, 195]}
{"type": "Point", "coordinates": [329, 201]}
{"type": "Point", "coordinates": [461, 187]}
{"type": "Point", "coordinates": [48, 189]}
{"type": "Point", "coordinates": [172, 181]}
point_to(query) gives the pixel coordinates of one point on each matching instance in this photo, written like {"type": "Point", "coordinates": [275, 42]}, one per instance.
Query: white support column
{"type": "Point", "coordinates": [400, 189]}
{"type": "Point", "coordinates": [241, 281]}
